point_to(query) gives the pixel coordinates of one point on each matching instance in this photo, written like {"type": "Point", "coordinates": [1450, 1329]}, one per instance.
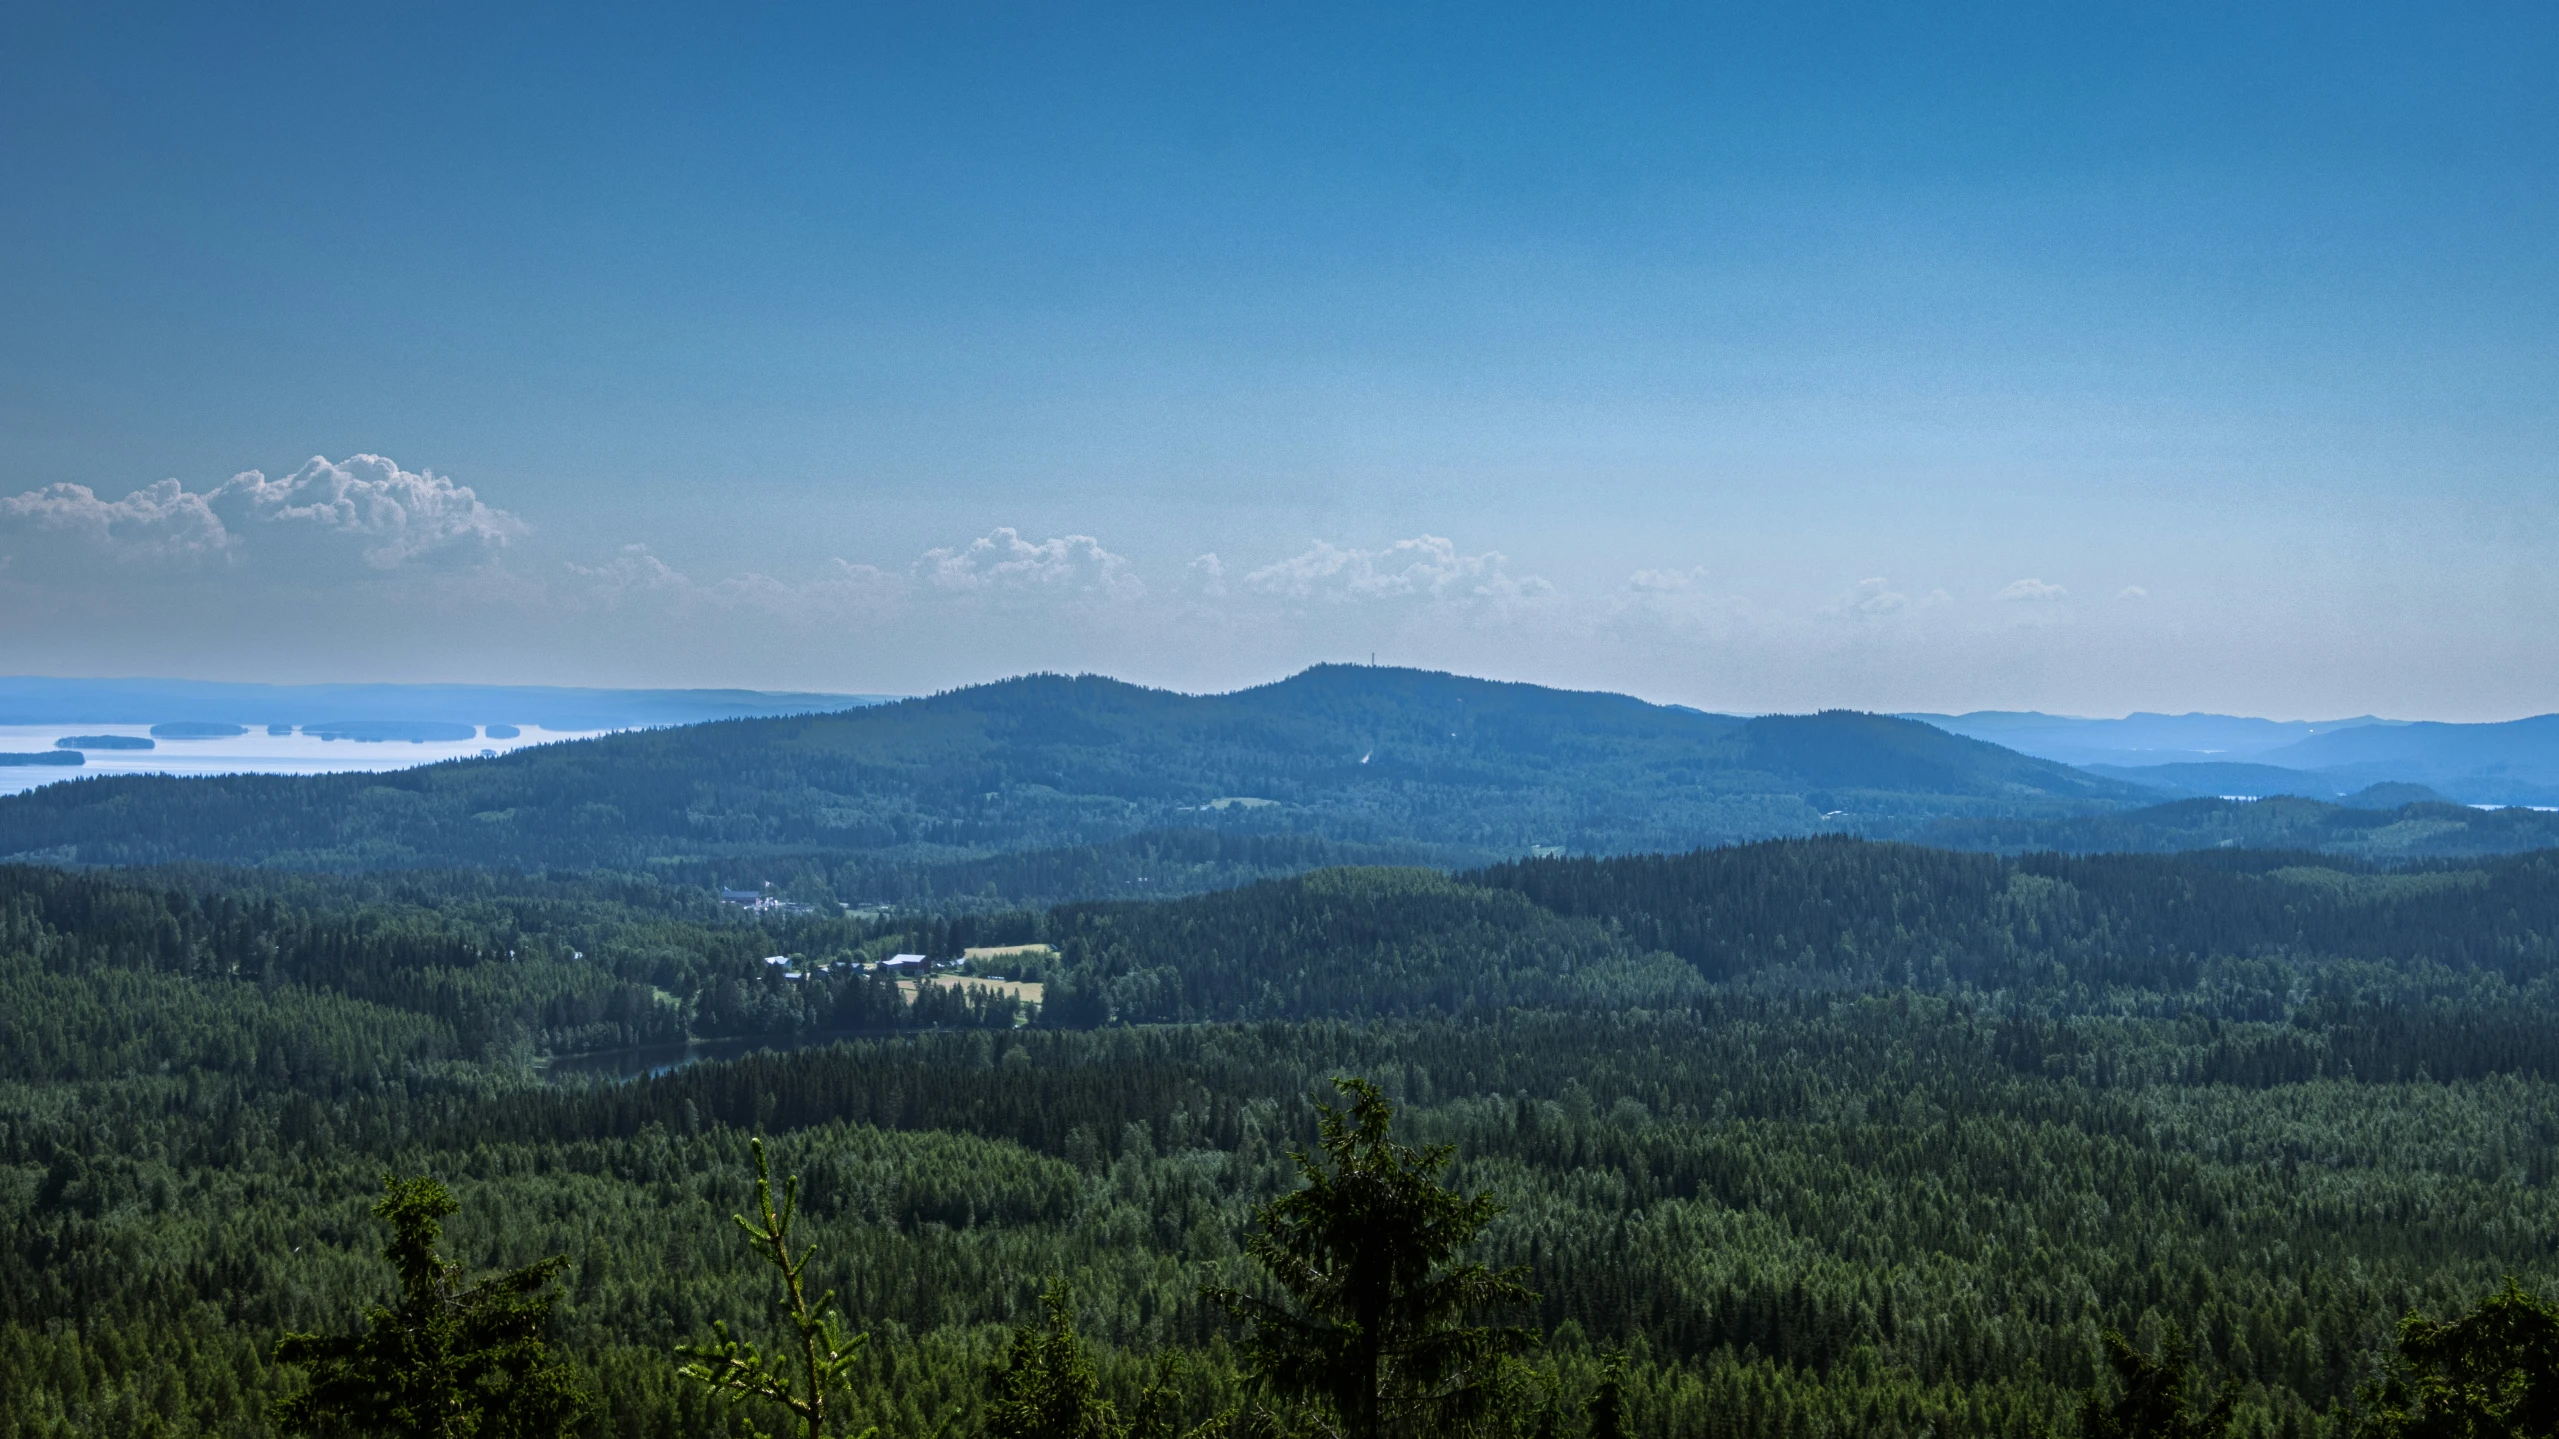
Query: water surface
{"type": "Point", "coordinates": [256, 752]}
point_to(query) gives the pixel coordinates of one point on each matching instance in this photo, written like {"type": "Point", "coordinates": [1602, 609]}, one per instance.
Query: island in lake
{"type": "Point", "coordinates": [104, 741]}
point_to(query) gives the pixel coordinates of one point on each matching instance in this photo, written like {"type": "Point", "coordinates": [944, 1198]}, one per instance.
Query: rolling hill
{"type": "Point", "coordinates": [1440, 767]}
{"type": "Point", "coordinates": [2224, 779]}
{"type": "Point", "coordinates": [2515, 762]}
{"type": "Point", "coordinates": [2506, 763]}
{"type": "Point", "coordinates": [2140, 738]}
{"type": "Point", "coordinates": [2366, 826]}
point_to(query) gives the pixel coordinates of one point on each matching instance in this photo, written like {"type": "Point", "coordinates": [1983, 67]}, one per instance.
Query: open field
{"type": "Point", "coordinates": [1007, 951]}
{"type": "Point", "coordinates": [1026, 990]}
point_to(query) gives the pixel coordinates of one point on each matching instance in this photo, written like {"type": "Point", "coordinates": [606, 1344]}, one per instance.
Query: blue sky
{"type": "Point", "coordinates": [2069, 357]}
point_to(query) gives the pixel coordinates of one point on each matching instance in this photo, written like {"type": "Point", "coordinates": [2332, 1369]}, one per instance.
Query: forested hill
{"type": "Point", "coordinates": [1446, 766]}
{"type": "Point", "coordinates": [2239, 935]}
{"type": "Point", "coordinates": [2429, 829]}
{"type": "Point", "coordinates": [469, 964]}
{"type": "Point", "coordinates": [1845, 911]}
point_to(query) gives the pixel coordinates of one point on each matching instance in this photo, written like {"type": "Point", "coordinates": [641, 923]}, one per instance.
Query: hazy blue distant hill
{"type": "Point", "coordinates": [2393, 794]}
{"type": "Point", "coordinates": [1860, 759]}
{"type": "Point", "coordinates": [2410, 831]}
{"type": "Point", "coordinates": [36, 699]}
{"type": "Point", "coordinates": [1381, 757]}
{"type": "Point", "coordinates": [2220, 780]}
{"type": "Point", "coordinates": [2141, 738]}
{"type": "Point", "coordinates": [2516, 762]}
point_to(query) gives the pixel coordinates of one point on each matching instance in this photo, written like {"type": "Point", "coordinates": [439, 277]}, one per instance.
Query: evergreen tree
{"type": "Point", "coordinates": [803, 1384]}
{"type": "Point", "coordinates": [1047, 1388]}
{"type": "Point", "coordinates": [2491, 1374]}
{"type": "Point", "coordinates": [1159, 1404]}
{"type": "Point", "coordinates": [448, 1361]}
{"type": "Point", "coordinates": [1375, 1324]}
{"type": "Point", "coordinates": [2154, 1404]}
{"type": "Point", "coordinates": [1607, 1407]}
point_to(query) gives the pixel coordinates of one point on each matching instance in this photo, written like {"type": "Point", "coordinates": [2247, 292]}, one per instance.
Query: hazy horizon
{"type": "Point", "coordinates": [875, 696]}
{"type": "Point", "coordinates": [2124, 359]}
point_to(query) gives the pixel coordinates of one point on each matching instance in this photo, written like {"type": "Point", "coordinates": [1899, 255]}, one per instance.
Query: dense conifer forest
{"type": "Point", "coordinates": [2418, 827]}
{"type": "Point", "coordinates": [1802, 1138]}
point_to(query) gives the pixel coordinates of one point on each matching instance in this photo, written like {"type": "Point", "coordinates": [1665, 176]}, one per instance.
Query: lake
{"type": "Point", "coordinates": [256, 752]}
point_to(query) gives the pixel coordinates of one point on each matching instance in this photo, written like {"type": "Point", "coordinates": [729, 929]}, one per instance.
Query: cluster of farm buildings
{"type": "Point", "coordinates": [896, 966]}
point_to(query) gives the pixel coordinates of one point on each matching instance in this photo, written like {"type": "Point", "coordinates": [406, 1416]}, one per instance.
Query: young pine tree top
{"type": "Point", "coordinates": [1376, 1322]}
{"type": "Point", "coordinates": [450, 1360]}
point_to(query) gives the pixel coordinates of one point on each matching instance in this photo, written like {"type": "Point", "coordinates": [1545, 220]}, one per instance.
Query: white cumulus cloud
{"type": "Point", "coordinates": [1003, 561]}
{"type": "Point", "coordinates": [156, 524]}
{"type": "Point", "coordinates": [1426, 566]}
{"type": "Point", "coordinates": [633, 572]}
{"type": "Point", "coordinates": [638, 576]}
{"type": "Point", "coordinates": [1207, 575]}
{"type": "Point", "coordinates": [2031, 591]}
{"type": "Point", "coordinates": [1667, 582]}
{"type": "Point", "coordinates": [998, 567]}
{"type": "Point", "coordinates": [365, 512]}
{"type": "Point", "coordinates": [388, 515]}
{"type": "Point", "coordinates": [1875, 597]}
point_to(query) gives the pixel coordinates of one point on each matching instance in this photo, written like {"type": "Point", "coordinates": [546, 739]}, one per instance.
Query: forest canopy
{"type": "Point", "coordinates": [1806, 1137]}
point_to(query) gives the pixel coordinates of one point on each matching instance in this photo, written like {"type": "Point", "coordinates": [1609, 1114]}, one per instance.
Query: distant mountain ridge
{"type": "Point", "coordinates": [2508, 762]}
{"type": "Point", "coordinates": [2516, 762]}
{"type": "Point", "coordinates": [1091, 784]}
{"type": "Point", "coordinates": [1440, 764]}
{"type": "Point", "coordinates": [2141, 738]}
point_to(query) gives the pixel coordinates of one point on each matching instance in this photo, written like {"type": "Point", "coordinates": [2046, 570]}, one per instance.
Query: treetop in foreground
{"type": "Point", "coordinates": [806, 1384]}
{"type": "Point", "coordinates": [1375, 1325]}
{"type": "Point", "coordinates": [450, 1360]}
{"type": "Point", "coordinates": [2493, 1373]}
